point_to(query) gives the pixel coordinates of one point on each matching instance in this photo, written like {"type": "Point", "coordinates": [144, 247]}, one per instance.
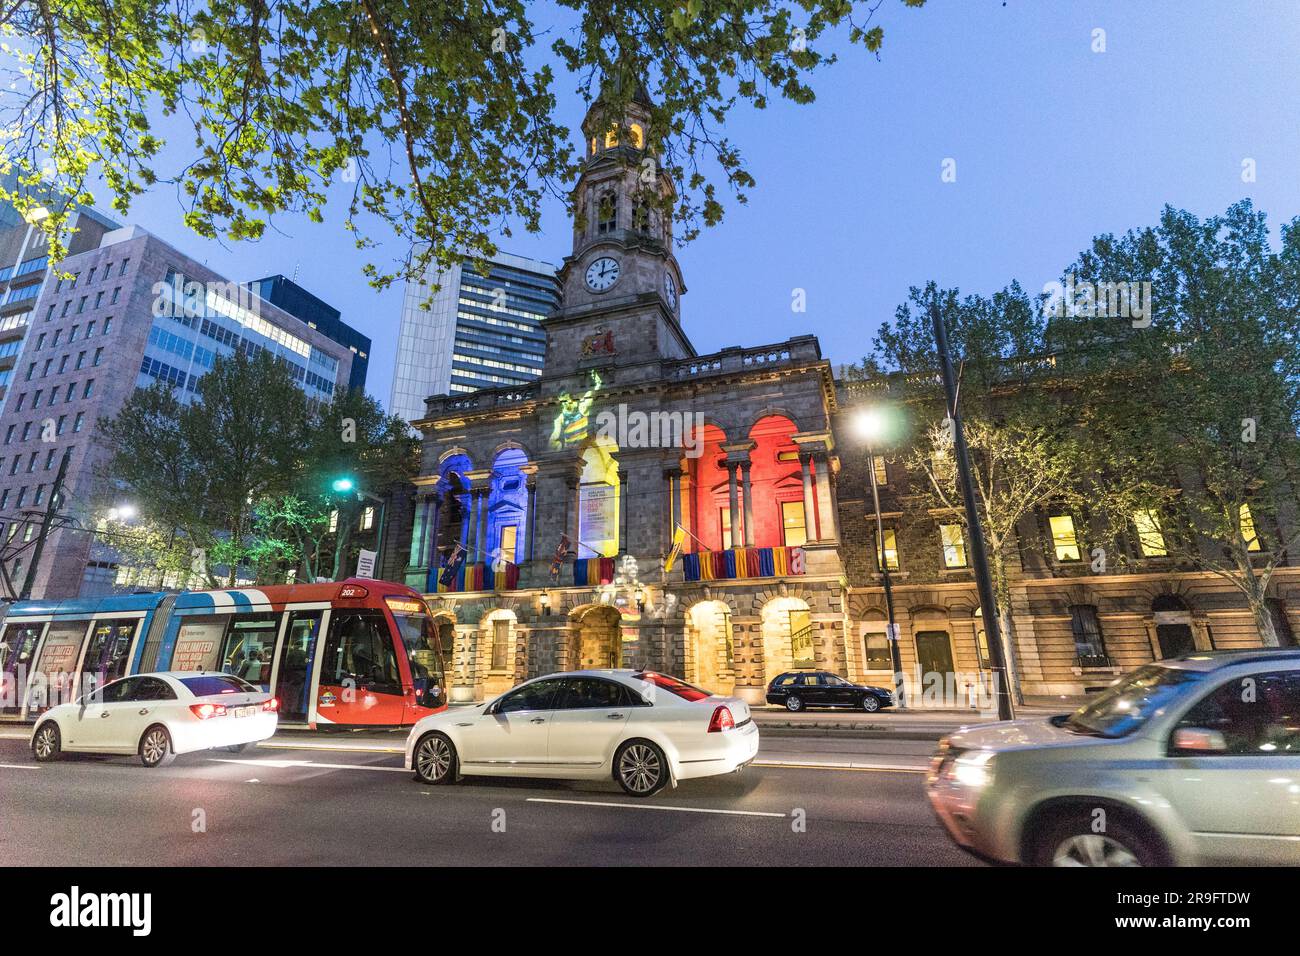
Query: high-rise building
{"type": "Point", "coordinates": [475, 331]}
{"type": "Point", "coordinates": [292, 298]}
{"type": "Point", "coordinates": [24, 266]}
{"type": "Point", "coordinates": [134, 311]}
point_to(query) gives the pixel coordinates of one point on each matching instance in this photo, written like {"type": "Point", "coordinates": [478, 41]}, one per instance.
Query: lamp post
{"type": "Point", "coordinates": [872, 426]}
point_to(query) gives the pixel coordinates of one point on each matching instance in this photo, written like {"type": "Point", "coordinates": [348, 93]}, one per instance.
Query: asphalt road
{"type": "Point", "coordinates": [314, 802]}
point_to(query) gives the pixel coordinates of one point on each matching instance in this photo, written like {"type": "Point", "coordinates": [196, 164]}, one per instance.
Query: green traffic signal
{"type": "Point", "coordinates": [344, 485]}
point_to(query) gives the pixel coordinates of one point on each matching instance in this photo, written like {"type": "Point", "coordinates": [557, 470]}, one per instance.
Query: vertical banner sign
{"type": "Point", "coordinates": [366, 564]}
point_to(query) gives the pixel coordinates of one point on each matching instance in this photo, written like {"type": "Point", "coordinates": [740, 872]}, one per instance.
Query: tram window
{"type": "Point", "coordinates": [110, 643]}
{"type": "Point", "coordinates": [359, 649]}
{"type": "Point", "coordinates": [250, 642]}
{"type": "Point", "coordinates": [197, 644]}
{"type": "Point", "coordinates": [18, 645]}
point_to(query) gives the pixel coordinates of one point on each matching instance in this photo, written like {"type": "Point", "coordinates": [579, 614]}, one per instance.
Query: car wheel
{"type": "Point", "coordinates": [47, 744]}
{"type": "Point", "coordinates": [794, 704]}
{"type": "Point", "coordinates": [1072, 842]}
{"type": "Point", "coordinates": [235, 748]}
{"type": "Point", "coordinates": [434, 759]}
{"type": "Point", "coordinates": [156, 747]}
{"type": "Point", "coordinates": [640, 768]}
{"type": "Point", "coordinates": [870, 703]}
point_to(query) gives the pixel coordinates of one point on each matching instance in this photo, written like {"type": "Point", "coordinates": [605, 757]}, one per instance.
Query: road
{"type": "Point", "coordinates": [327, 802]}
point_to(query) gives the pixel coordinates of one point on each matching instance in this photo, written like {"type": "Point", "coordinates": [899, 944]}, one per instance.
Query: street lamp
{"type": "Point", "coordinates": [873, 427]}
{"type": "Point", "coordinates": [345, 485]}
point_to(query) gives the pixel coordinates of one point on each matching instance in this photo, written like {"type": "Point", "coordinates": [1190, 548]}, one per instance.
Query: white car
{"type": "Point", "coordinates": [158, 716]}
{"type": "Point", "coordinates": [646, 730]}
{"type": "Point", "coordinates": [1189, 761]}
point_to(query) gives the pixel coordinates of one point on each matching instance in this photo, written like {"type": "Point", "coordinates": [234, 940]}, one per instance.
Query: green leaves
{"type": "Point", "coordinates": [434, 122]}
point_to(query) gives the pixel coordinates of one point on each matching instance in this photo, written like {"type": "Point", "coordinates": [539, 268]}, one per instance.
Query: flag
{"type": "Point", "coordinates": [561, 552]}
{"type": "Point", "coordinates": [451, 565]}
{"type": "Point", "coordinates": [679, 536]}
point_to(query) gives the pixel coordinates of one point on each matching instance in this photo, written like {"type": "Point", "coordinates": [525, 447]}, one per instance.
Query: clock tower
{"type": "Point", "coordinates": [621, 285]}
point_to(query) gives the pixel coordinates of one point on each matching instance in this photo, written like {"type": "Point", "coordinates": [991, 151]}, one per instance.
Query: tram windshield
{"type": "Point", "coordinates": [420, 639]}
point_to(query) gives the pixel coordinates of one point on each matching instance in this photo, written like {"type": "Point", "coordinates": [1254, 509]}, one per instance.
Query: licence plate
{"type": "Point", "coordinates": [245, 711]}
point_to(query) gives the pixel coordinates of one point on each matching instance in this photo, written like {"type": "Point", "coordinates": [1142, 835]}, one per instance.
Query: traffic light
{"type": "Point", "coordinates": [344, 485]}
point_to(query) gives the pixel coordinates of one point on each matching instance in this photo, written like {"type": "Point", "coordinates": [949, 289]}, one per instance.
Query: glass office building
{"type": "Point", "coordinates": [477, 330]}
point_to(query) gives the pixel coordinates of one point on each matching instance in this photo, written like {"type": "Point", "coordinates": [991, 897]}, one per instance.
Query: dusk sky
{"type": "Point", "coordinates": [1053, 144]}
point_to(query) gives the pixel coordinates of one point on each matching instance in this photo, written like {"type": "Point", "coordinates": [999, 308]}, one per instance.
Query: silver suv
{"type": "Point", "coordinates": [1193, 760]}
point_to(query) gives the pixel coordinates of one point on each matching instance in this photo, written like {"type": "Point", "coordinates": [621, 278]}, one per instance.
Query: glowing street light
{"type": "Point", "coordinates": [874, 425]}
{"type": "Point", "coordinates": [344, 485]}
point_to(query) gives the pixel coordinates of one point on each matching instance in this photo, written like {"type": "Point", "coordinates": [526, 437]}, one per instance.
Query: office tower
{"type": "Point", "coordinates": [292, 298]}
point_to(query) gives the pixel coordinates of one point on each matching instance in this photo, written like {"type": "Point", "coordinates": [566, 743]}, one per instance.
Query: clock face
{"type": "Point", "coordinates": [670, 290]}
{"type": "Point", "coordinates": [602, 274]}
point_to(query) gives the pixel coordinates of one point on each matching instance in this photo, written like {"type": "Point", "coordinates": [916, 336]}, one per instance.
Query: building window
{"type": "Point", "coordinates": [954, 545]}
{"type": "Point", "coordinates": [724, 522]}
{"type": "Point", "coordinates": [501, 644]}
{"type": "Point", "coordinates": [637, 135]}
{"type": "Point", "coordinates": [794, 524]}
{"type": "Point", "coordinates": [509, 542]}
{"type": "Point", "coordinates": [1248, 532]}
{"type": "Point", "coordinates": [1089, 647]}
{"type": "Point", "coordinates": [878, 465]}
{"type": "Point", "coordinates": [875, 648]}
{"type": "Point", "coordinates": [891, 549]}
{"type": "Point", "coordinates": [801, 638]}
{"type": "Point", "coordinates": [606, 213]}
{"type": "Point", "coordinates": [1065, 542]}
{"type": "Point", "coordinates": [1151, 539]}
{"type": "Point", "coordinates": [367, 518]}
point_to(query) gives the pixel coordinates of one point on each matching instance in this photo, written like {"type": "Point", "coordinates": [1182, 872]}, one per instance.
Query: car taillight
{"type": "Point", "coordinates": [721, 720]}
{"type": "Point", "coordinates": [271, 705]}
{"type": "Point", "coordinates": [204, 711]}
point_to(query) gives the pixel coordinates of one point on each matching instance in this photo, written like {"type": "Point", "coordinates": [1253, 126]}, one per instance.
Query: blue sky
{"type": "Point", "coordinates": [1053, 144]}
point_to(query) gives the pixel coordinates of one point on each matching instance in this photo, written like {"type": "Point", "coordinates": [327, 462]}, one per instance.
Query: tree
{"type": "Point", "coordinates": [1020, 423]}
{"type": "Point", "coordinates": [196, 467]}
{"type": "Point", "coordinates": [1198, 393]}
{"type": "Point", "coordinates": [353, 438]}
{"type": "Point", "coordinates": [439, 117]}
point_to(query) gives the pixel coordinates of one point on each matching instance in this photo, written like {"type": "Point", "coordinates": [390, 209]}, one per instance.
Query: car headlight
{"type": "Point", "coordinates": [973, 769]}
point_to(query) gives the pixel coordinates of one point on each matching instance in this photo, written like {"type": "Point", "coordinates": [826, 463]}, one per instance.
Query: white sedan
{"type": "Point", "coordinates": [158, 716]}
{"type": "Point", "coordinates": [646, 730]}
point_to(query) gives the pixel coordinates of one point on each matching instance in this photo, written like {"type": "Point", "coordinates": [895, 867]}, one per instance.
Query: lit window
{"type": "Point", "coordinates": [367, 518]}
{"type": "Point", "coordinates": [724, 518]}
{"type": "Point", "coordinates": [509, 541]}
{"type": "Point", "coordinates": [1248, 532]}
{"type": "Point", "coordinates": [891, 549]}
{"type": "Point", "coordinates": [611, 138]}
{"type": "Point", "coordinates": [1064, 541]}
{"type": "Point", "coordinates": [1151, 539]}
{"type": "Point", "coordinates": [878, 463]}
{"type": "Point", "coordinates": [501, 644]}
{"type": "Point", "coordinates": [794, 526]}
{"type": "Point", "coordinates": [801, 638]}
{"type": "Point", "coordinates": [637, 135]}
{"type": "Point", "coordinates": [954, 545]}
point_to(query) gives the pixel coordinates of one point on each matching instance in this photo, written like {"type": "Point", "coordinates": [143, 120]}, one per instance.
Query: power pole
{"type": "Point", "coordinates": [51, 509]}
{"type": "Point", "coordinates": [979, 559]}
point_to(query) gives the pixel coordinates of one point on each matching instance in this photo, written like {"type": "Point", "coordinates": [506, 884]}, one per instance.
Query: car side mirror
{"type": "Point", "coordinates": [1199, 740]}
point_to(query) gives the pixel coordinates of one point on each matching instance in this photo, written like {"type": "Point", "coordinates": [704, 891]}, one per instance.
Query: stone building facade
{"type": "Point", "coordinates": [544, 514]}
{"type": "Point", "coordinates": [641, 505]}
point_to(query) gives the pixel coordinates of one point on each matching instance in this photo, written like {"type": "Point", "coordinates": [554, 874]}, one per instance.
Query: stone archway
{"type": "Point", "coordinates": [787, 636]}
{"type": "Point", "coordinates": [597, 639]}
{"type": "Point", "coordinates": [708, 629]}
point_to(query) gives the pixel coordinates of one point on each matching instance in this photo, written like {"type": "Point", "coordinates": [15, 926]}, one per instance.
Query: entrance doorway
{"type": "Point", "coordinates": [709, 628]}
{"type": "Point", "coordinates": [293, 679]}
{"type": "Point", "coordinates": [599, 640]}
{"type": "Point", "coordinates": [934, 653]}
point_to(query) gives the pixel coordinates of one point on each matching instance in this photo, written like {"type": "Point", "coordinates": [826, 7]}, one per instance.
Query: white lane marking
{"type": "Point", "coordinates": [360, 748]}
{"type": "Point", "coordinates": [12, 736]}
{"type": "Point", "coordinates": [795, 763]}
{"type": "Point", "coordinates": [19, 766]}
{"type": "Point", "coordinates": [309, 764]}
{"type": "Point", "coordinates": [653, 806]}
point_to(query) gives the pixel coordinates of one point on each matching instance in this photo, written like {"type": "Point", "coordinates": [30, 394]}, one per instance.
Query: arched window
{"type": "Point", "coordinates": [611, 138]}
{"type": "Point", "coordinates": [508, 508]}
{"type": "Point", "coordinates": [606, 213]}
{"type": "Point", "coordinates": [637, 135]}
{"type": "Point", "coordinates": [640, 217]}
